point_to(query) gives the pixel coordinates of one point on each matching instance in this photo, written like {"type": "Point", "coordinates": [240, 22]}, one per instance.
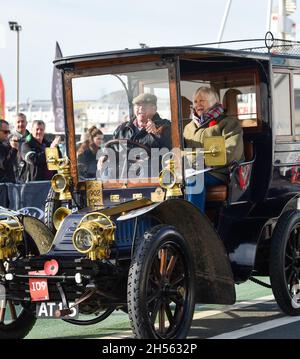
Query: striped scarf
{"type": "Point", "coordinates": [213, 113]}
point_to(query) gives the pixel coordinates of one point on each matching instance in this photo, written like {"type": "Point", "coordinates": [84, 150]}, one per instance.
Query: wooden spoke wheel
{"type": "Point", "coordinates": [15, 320]}
{"type": "Point", "coordinates": [285, 262]}
{"type": "Point", "coordinates": [161, 285]}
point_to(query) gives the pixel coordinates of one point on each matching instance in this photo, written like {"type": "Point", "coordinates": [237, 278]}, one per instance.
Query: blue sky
{"type": "Point", "coordinates": [84, 26]}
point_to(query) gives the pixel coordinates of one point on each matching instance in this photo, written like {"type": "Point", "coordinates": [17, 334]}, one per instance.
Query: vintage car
{"type": "Point", "coordinates": [117, 241]}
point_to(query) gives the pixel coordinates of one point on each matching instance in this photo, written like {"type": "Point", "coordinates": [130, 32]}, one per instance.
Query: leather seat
{"type": "Point", "coordinates": [216, 193]}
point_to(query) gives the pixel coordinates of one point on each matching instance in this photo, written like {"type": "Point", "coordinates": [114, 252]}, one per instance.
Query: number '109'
{"type": "Point", "coordinates": [37, 286]}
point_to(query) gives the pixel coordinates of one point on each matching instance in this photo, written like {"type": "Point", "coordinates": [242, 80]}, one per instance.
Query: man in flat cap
{"type": "Point", "coordinates": [146, 128]}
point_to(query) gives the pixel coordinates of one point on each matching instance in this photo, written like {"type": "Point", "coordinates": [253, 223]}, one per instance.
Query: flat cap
{"type": "Point", "coordinates": [145, 98]}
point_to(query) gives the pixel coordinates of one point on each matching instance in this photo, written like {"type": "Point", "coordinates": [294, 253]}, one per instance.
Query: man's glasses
{"type": "Point", "coordinates": [6, 132]}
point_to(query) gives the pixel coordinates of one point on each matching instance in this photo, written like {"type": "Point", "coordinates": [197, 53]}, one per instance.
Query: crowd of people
{"type": "Point", "coordinates": [22, 153]}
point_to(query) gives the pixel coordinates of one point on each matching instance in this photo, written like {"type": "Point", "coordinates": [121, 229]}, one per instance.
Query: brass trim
{"type": "Point", "coordinates": [94, 194]}
{"type": "Point", "coordinates": [137, 195]}
{"type": "Point", "coordinates": [127, 206]}
{"type": "Point", "coordinates": [114, 198]}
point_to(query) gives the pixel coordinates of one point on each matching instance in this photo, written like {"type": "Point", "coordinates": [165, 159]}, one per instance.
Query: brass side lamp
{"type": "Point", "coordinates": [168, 178]}
{"type": "Point", "coordinates": [61, 181]}
{"type": "Point", "coordinates": [214, 152]}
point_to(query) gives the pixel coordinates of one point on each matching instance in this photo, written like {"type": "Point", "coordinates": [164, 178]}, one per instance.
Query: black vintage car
{"type": "Point", "coordinates": [117, 242]}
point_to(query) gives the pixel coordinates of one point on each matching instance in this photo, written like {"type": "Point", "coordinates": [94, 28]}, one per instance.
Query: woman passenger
{"type": "Point", "coordinates": [210, 119]}
{"type": "Point", "coordinates": [87, 153]}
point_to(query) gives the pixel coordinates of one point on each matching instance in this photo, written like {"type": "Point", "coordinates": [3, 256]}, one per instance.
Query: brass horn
{"type": "Point", "coordinates": [59, 215]}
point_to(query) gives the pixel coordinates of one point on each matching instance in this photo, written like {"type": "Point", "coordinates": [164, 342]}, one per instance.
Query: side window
{"type": "Point", "coordinates": [297, 102]}
{"type": "Point", "coordinates": [239, 93]}
{"type": "Point", "coordinates": [241, 102]}
{"type": "Point", "coordinates": [282, 110]}
{"type": "Point", "coordinates": [287, 104]}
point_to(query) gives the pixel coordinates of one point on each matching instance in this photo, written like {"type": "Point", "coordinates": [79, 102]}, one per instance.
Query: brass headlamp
{"type": "Point", "coordinates": [93, 235]}
{"type": "Point", "coordinates": [11, 231]}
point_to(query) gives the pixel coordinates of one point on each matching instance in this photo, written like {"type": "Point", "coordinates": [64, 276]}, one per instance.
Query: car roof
{"type": "Point", "coordinates": [182, 51]}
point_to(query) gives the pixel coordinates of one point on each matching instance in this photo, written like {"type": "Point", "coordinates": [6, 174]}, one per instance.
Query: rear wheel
{"type": "Point", "coordinates": [161, 285]}
{"type": "Point", "coordinates": [285, 262]}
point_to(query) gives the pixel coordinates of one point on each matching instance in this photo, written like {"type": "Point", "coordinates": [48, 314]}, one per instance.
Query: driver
{"type": "Point", "coordinates": [146, 128]}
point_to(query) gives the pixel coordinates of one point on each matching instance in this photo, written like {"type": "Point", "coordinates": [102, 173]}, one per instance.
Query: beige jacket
{"type": "Point", "coordinates": [228, 127]}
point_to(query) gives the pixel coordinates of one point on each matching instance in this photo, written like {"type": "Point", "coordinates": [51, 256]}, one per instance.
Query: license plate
{"type": "Point", "coordinates": [46, 310]}
{"type": "Point", "coordinates": [38, 287]}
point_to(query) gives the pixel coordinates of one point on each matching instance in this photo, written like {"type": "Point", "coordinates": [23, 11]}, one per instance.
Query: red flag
{"type": "Point", "coordinates": [2, 99]}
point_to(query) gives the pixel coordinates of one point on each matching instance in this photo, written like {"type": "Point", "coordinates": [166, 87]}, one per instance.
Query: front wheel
{"type": "Point", "coordinates": [15, 320]}
{"type": "Point", "coordinates": [161, 285]}
{"type": "Point", "coordinates": [51, 205]}
{"type": "Point", "coordinates": [285, 262]}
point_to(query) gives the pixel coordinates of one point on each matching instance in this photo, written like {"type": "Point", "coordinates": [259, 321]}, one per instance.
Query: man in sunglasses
{"type": "Point", "coordinates": [8, 153]}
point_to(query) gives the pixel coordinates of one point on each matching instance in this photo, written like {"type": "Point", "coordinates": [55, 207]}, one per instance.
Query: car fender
{"type": "Point", "coordinates": [39, 232]}
{"type": "Point", "coordinates": [262, 251]}
{"type": "Point", "coordinates": [214, 279]}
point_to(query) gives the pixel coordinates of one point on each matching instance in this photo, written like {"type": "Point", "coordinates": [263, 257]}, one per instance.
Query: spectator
{"type": "Point", "coordinates": [83, 138]}
{"type": "Point", "coordinates": [8, 153]}
{"type": "Point", "coordinates": [21, 133]}
{"type": "Point", "coordinates": [20, 127]}
{"type": "Point", "coordinates": [87, 153]}
{"type": "Point", "coordinates": [34, 165]}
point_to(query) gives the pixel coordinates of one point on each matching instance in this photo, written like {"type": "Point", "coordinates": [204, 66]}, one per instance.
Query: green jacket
{"type": "Point", "coordinates": [230, 128]}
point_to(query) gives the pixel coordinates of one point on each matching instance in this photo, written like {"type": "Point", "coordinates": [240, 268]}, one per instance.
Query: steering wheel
{"type": "Point", "coordinates": [121, 148]}
{"type": "Point", "coordinates": [116, 145]}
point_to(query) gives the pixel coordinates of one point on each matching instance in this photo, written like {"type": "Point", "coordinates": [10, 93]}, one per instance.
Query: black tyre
{"type": "Point", "coordinates": [52, 204]}
{"type": "Point", "coordinates": [15, 321]}
{"type": "Point", "coordinates": [285, 262]}
{"type": "Point", "coordinates": [161, 285]}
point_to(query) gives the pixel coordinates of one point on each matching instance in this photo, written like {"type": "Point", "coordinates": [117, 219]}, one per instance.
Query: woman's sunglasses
{"type": "Point", "coordinates": [7, 132]}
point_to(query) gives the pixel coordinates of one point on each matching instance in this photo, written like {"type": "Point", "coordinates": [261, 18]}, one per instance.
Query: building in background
{"type": "Point", "coordinates": [282, 25]}
{"type": "Point", "coordinates": [106, 113]}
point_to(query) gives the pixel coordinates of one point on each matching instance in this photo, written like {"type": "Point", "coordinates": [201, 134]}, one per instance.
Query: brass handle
{"type": "Point", "coordinates": [214, 150]}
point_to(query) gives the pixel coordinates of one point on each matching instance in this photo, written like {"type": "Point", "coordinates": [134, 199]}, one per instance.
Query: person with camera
{"type": "Point", "coordinates": [8, 153]}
